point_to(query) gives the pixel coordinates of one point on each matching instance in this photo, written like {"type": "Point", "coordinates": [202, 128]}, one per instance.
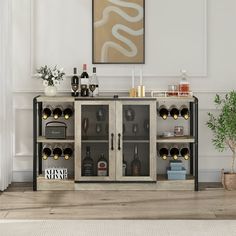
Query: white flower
{"type": "Point", "coordinates": [46, 77]}
{"type": "Point", "coordinates": [55, 73]}
{"type": "Point", "coordinates": [56, 82]}
{"type": "Point", "coordinates": [45, 83]}
{"type": "Point", "coordinates": [61, 69]}
{"type": "Point", "coordinates": [39, 75]}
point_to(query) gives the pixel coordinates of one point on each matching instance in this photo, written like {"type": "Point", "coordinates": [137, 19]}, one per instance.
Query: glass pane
{"type": "Point", "coordinates": [136, 140]}
{"type": "Point", "coordinates": [94, 138]}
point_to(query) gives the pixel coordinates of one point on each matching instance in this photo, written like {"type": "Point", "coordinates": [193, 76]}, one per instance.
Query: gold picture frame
{"type": "Point", "coordinates": [118, 31]}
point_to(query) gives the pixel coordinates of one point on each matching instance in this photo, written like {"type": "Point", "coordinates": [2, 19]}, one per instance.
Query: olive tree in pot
{"type": "Point", "coordinates": [223, 126]}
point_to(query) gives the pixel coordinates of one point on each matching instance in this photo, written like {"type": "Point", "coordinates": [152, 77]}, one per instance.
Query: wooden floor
{"type": "Point", "coordinates": [19, 202]}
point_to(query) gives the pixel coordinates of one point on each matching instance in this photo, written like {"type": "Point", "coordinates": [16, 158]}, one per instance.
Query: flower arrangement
{"type": "Point", "coordinates": [51, 77]}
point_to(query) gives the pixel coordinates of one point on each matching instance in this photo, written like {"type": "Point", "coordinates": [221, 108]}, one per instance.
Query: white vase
{"type": "Point", "coordinates": [50, 91]}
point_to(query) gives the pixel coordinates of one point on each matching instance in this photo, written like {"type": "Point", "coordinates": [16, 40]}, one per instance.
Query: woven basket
{"type": "Point", "coordinates": [228, 180]}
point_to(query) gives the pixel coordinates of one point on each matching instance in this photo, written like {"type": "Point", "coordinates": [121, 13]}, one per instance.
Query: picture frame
{"type": "Point", "coordinates": [118, 32]}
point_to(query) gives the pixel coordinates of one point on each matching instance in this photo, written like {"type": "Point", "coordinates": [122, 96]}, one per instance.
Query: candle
{"type": "Point", "coordinates": [132, 78]}
{"type": "Point", "coordinates": [141, 77]}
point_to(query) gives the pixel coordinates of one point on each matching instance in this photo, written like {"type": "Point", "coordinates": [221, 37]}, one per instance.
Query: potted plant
{"type": "Point", "coordinates": [51, 78]}
{"type": "Point", "coordinates": [223, 126]}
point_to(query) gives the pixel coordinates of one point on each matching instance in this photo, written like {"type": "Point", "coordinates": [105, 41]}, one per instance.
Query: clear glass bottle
{"type": "Point", "coordinates": [94, 83]}
{"type": "Point", "coordinates": [184, 87]}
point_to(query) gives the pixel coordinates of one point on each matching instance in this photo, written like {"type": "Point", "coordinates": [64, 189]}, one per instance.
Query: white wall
{"type": "Point", "coordinates": [76, 15]}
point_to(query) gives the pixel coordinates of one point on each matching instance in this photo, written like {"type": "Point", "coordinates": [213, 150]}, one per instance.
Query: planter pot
{"type": "Point", "coordinates": [229, 180]}
{"type": "Point", "coordinates": [50, 91]}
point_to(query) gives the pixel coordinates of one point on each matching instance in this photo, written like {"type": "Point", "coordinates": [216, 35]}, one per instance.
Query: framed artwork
{"type": "Point", "coordinates": [118, 31]}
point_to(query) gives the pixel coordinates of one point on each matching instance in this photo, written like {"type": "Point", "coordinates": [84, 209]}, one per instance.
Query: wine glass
{"type": "Point", "coordinates": [146, 125]}
{"type": "Point", "coordinates": [98, 128]}
{"type": "Point", "coordinates": [92, 87]}
{"type": "Point", "coordinates": [85, 126]}
{"type": "Point", "coordinates": [75, 86]}
{"type": "Point", "coordinates": [100, 114]}
{"type": "Point", "coordinates": [135, 129]}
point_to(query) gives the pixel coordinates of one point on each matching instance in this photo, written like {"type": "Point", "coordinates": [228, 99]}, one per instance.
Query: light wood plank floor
{"type": "Point", "coordinates": [22, 203]}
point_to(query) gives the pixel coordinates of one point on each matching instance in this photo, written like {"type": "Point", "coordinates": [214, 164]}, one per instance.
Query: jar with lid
{"type": "Point", "coordinates": [184, 84]}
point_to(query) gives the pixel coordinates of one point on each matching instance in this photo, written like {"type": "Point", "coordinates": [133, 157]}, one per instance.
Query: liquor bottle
{"type": "Point", "coordinates": [84, 78]}
{"type": "Point", "coordinates": [174, 112]}
{"type": "Point", "coordinates": [57, 152]}
{"type": "Point", "coordinates": [136, 164]}
{"type": "Point", "coordinates": [88, 164]}
{"type": "Point", "coordinates": [124, 167]}
{"type": "Point", "coordinates": [184, 151]}
{"type": "Point", "coordinates": [75, 84]}
{"type": "Point", "coordinates": [94, 84]}
{"type": "Point", "coordinates": [174, 152]}
{"type": "Point", "coordinates": [68, 112]}
{"type": "Point", "coordinates": [47, 111]}
{"type": "Point", "coordinates": [163, 152]}
{"type": "Point", "coordinates": [163, 112]}
{"type": "Point", "coordinates": [184, 84]}
{"type": "Point", "coordinates": [102, 167]}
{"type": "Point", "coordinates": [47, 151]}
{"type": "Point", "coordinates": [67, 152]}
{"type": "Point", "coordinates": [184, 111]}
{"type": "Point", "coordinates": [57, 112]}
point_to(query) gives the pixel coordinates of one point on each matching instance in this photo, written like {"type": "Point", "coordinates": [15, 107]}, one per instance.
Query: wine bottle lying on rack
{"type": "Point", "coordinates": [163, 152]}
{"type": "Point", "coordinates": [57, 112]}
{"type": "Point", "coordinates": [184, 152]}
{"type": "Point", "coordinates": [67, 152]}
{"type": "Point", "coordinates": [47, 151]}
{"type": "Point", "coordinates": [184, 111]}
{"type": "Point", "coordinates": [174, 112]}
{"type": "Point", "coordinates": [163, 112]}
{"type": "Point", "coordinates": [57, 152]}
{"type": "Point", "coordinates": [47, 111]}
{"type": "Point", "coordinates": [68, 112]}
{"type": "Point", "coordinates": [174, 152]}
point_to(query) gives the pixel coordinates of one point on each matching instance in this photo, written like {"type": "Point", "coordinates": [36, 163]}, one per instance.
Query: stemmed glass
{"type": "Point", "coordinates": [85, 126]}
{"type": "Point", "coordinates": [98, 128]}
{"type": "Point", "coordinates": [92, 87]}
{"type": "Point", "coordinates": [135, 129]}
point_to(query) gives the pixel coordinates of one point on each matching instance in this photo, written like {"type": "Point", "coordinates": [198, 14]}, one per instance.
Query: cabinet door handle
{"type": "Point", "coordinates": [119, 148]}
{"type": "Point", "coordinates": [112, 141]}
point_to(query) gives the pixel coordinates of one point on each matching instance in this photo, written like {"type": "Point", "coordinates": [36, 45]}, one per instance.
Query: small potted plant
{"type": "Point", "coordinates": [51, 78]}
{"type": "Point", "coordinates": [223, 126]}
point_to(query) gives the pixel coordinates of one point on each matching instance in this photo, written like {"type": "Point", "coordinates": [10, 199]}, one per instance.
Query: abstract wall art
{"type": "Point", "coordinates": [118, 31]}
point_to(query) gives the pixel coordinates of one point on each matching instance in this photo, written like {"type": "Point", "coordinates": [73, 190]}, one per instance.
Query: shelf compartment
{"type": "Point", "coordinates": [51, 184]}
{"type": "Point", "coordinates": [42, 139]}
{"type": "Point", "coordinates": [57, 99]}
{"type": "Point", "coordinates": [182, 139]}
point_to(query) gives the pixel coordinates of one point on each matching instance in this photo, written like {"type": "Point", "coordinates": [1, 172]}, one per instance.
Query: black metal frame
{"type": "Point", "coordinates": [93, 42]}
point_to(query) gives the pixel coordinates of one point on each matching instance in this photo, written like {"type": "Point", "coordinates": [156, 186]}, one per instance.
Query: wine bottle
{"type": "Point", "coordinates": [57, 112]}
{"type": "Point", "coordinates": [75, 84]}
{"type": "Point", "coordinates": [136, 164]}
{"type": "Point", "coordinates": [47, 151]}
{"type": "Point", "coordinates": [57, 152]}
{"type": "Point", "coordinates": [184, 111]}
{"type": "Point", "coordinates": [184, 151]}
{"type": "Point", "coordinates": [67, 152]}
{"type": "Point", "coordinates": [102, 166]}
{"type": "Point", "coordinates": [84, 82]}
{"type": "Point", "coordinates": [174, 112]}
{"type": "Point", "coordinates": [68, 112]}
{"type": "Point", "coordinates": [94, 83]}
{"type": "Point", "coordinates": [88, 164]}
{"type": "Point", "coordinates": [47, 111]}
{"type": "Point", "coordinates": [163, 112]}
{"type": "Point", "coordinates": [174, 152]}
{"type": "Point", "coordinates": [163, 152]}
{"type": "Point", "coordinates": [124, 167]}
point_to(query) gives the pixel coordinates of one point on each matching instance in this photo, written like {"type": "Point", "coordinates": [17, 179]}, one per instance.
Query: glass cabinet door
{"type": "Point", "coordinates": [95, 131]}
{"type": "Point", "coordinates": [136, 153]}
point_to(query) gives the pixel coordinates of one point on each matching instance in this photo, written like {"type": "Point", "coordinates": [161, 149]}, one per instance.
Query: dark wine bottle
{"type": "Point", "coordinates": [47, 111]}
{"type": "Point", "coordinates": [84, 82]}
{"type": "Point", "coordinates": [184, 151]}
{"type": "Point", "coordinates": [163, 112]}
{"type": "Point", "coordinates": [67, 152]}
{"type": "Point", "coordinates": [184, 111]}
{"type": "Point", "coordinates": [57, 112]}
{"type": "Point", "coordinates": [174, 112]}
{"type": "Point", "coordinates": [136, 164]}
{"type": "Point", "coordinates": [47, 151]}
{"type": "Point", "coordinates": [124, 167]}
{"type": "Point", "coordinates": [174, 152]}
{"type": "Point", "coordinates": [164, 152]}
{"type": "Point", "coordinates": [88, 164]}
{"type": "Point", "coordinates": [75, 84]}
{"type": "Point", "coordinates": [57, 152]}
{"type": "Point", "coordinates": [68, 112]}
{"type": "Point", "coordinates": [102, 166]}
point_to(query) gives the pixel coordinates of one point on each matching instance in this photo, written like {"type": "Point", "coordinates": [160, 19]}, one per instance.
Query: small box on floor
{"type": "Point", "coordinates": [176, 165]}
{"type": "Point", "coordinates": [56, 173]}
{"type": "Point", "coordinates": [176, 175]}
